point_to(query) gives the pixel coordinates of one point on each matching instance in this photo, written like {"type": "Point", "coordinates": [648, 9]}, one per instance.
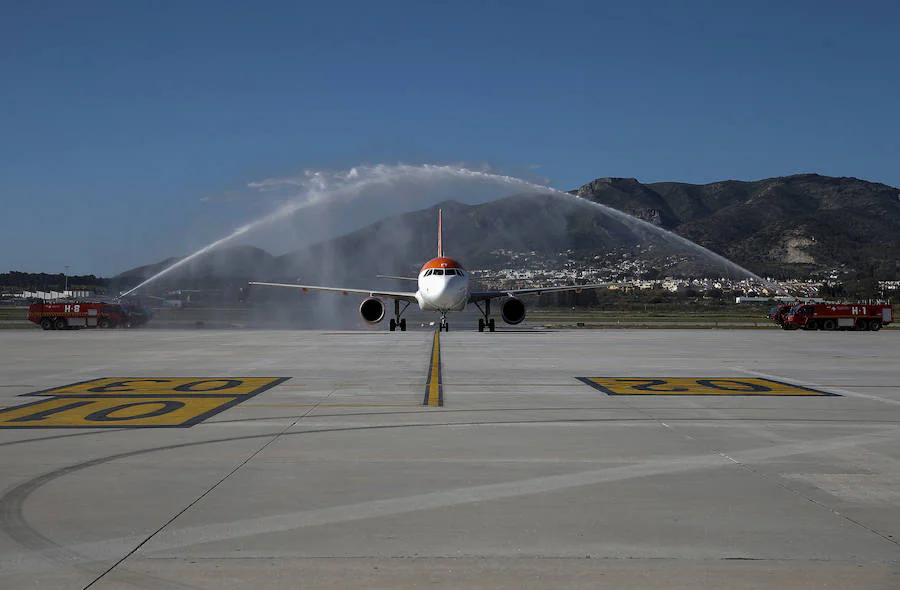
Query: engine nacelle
{"type": "Point", "coordinates": [372, 310]}
{"type": "Point", "coordinates": [512, 311]}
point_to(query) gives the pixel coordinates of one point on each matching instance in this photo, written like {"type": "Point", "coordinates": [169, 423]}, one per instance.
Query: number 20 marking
{"type": "Point", "coordinates": [696, 386]}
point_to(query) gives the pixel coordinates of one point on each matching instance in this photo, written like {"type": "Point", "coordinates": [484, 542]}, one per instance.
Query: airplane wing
{"type": "Point", "coordinates": [485, 295]}
{"type": "Point", "coordinates": [401, 295]}
{"type": "Point", "coordinates": [398, 278]}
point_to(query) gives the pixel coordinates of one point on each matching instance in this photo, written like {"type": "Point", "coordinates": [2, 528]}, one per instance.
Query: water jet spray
{"type": "Point", "coordinates": [319, 188]}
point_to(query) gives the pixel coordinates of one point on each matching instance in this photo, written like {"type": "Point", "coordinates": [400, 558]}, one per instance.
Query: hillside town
{"type": "Point", "coordinates": [641, 270]}
{"type": "Point", "coordinates": [628, 272]}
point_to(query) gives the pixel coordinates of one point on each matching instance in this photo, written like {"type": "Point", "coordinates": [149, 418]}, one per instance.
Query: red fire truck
{"type": "Point", "coordinates": [62, 316]}
{"type": "Point", "coordinates": [838, 316]}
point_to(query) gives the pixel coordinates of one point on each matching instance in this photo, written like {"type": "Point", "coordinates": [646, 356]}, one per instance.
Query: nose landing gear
{"type": "Point", "coordinates": [444, 327]}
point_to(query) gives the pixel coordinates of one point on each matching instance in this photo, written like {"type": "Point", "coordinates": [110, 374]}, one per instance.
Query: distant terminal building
{"type": "Point", "coordinates": [52, 295]}
{"type": "Point", "coordinates": [778, 298]}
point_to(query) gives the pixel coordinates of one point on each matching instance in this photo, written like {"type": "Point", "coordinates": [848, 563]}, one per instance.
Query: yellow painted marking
{"type": "Point", "coordinates": [696, 386]}
{"type": "Point", "coordinates": [107, 412]}
{"type": "Point", "coordinates": [117, 402]}
{"type": "Point", "coordinates": [433, 386]}
{"type": "Point", "coordinates": [166, 386]}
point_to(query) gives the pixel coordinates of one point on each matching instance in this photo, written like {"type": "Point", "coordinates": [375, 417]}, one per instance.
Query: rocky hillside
{"type": "Point", "coordinates": [793, 224]}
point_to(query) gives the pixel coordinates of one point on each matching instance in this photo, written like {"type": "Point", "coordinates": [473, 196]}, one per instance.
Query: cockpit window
{"type": "Point", "coordinates": [428, 273]}
{"type": "Point", "coordinates": [450, 271]}
{"type": "Point", "coordinates": [439, 271]}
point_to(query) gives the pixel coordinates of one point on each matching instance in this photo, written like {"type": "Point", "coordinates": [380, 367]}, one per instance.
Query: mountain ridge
{"type": "Point", "coordinates": [785, 225]}
{"type": "Point", "coordinates": [842, 221]}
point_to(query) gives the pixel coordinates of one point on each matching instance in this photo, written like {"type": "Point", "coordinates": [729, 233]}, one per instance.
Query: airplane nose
{"type": "Point", "coordinates": [449, 295]}
{"type": "Point", "coordinates": [439, 292]}
{"type": "Point", "coordinates": [439, 289]}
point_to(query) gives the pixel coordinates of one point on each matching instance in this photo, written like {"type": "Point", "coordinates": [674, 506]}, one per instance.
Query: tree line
{"type": "Point", "coordinates": [41, 281]}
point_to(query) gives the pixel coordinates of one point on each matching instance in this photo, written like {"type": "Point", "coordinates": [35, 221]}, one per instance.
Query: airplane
{"type": "Point", "coordinates": [443, 286]}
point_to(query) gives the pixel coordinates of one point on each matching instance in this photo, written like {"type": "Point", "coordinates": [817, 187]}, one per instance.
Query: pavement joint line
{"type": "Point", "coordinates": [34, 561]}
{"type": "Point", "coordinates": [778, 482]}
{"type": "Point", "coordinates": [766, 477]}
{"type": "Point", "coordinates": [331, 405]}
{"type": "Point", "coordinates": [838, 390]}
{"type": "Point", "coordinates": [517, 385]}
{"type": "Point", "coordinates": [199, 498]}
{"type": "Point", "coordinates": [195, 535]}
{"type": "Point", "coordinates": [88, 432]}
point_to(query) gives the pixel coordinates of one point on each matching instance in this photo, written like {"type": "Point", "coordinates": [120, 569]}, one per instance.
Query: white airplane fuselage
{"type": "Point", "coordinates": [443, 286]}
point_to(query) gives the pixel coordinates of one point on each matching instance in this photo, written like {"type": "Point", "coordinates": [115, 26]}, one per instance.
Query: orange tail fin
{"type": "Point", "coordinates": [440, 234]}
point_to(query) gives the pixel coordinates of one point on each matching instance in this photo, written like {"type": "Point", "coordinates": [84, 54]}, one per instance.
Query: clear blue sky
{"type": "Point", "coordinates": [117, 118]}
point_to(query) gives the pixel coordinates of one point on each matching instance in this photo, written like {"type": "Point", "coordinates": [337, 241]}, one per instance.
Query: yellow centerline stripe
{"type": "Point", "coordinates": [434, 389]}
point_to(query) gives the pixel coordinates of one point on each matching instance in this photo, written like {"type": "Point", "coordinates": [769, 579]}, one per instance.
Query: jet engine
{"type": "Point", "coordinates": [372, 310]}
{"type": "Point", "coordinates": [512, 311]}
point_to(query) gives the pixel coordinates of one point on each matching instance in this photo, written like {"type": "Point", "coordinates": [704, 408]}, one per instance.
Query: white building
{"type": "Point", "coordinates": [49, 295]}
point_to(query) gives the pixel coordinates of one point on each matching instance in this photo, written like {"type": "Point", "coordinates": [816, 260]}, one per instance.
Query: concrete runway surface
{"type": "Point", "coordinates": [569, 459]}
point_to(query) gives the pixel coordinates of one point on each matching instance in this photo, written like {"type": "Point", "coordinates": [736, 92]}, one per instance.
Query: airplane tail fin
{"type": "Point", "coordinates": [440, 251]}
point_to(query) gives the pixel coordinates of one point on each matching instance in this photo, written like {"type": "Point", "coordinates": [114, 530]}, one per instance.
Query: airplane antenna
{"type": "Point", "coordinates": [440, 252]}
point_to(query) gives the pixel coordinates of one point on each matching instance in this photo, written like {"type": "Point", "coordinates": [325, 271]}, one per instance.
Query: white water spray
{"type": "Point", "coordinates": [319, 187]}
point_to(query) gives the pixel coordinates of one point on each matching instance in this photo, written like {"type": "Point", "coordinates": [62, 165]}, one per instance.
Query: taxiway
{"type": "Point", "coordinates": [189, 459]}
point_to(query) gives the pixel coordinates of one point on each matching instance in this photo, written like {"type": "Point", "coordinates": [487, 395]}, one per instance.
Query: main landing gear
{"type": "Point", "coordinates": [487, 321]}
{"type": "Point", "coordinates": [397, 321]}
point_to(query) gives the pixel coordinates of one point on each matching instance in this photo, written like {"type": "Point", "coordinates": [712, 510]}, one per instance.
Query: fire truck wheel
{"type": "Point", "coordinates": [103, 323]}
{"type": "Point", "coordinates": [828, 325]}
{"type": "Point", "coordinates": [875, 325]}
{"type": "Point", "coordinates": [47, 324]}
{"type": "Point", "coordinates": [60, 324]}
